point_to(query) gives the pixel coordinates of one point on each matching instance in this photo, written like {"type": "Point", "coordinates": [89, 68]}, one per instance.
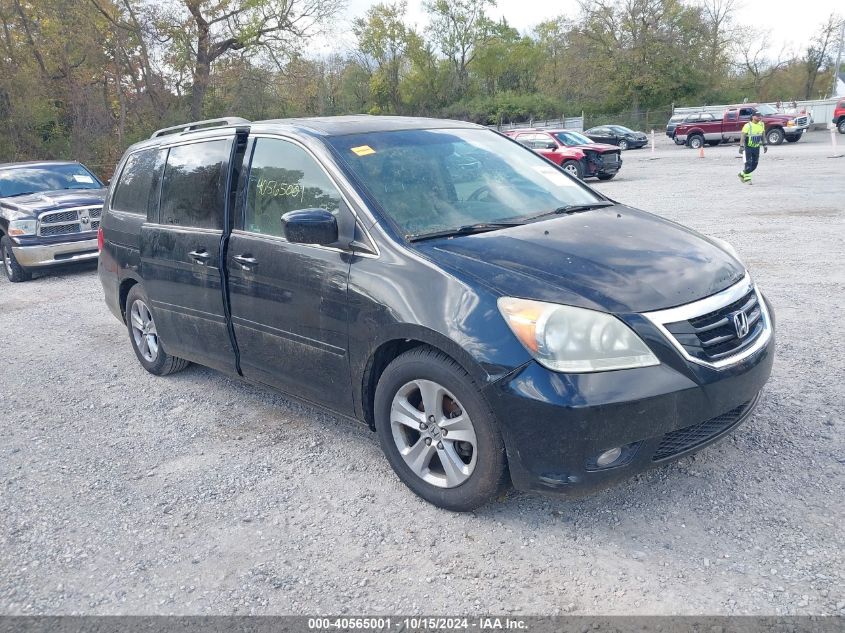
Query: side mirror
{"type": "Point", "coordinates": [310, 226]}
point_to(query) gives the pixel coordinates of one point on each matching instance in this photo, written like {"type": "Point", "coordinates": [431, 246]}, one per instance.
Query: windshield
{"type": "Point", "coordinates": [431, 181]}
{"type": "Point", "coordinates": [571, 138]}
{"type": "Point", "coordinates": [765, 109]}
{"type": "Point", "coordinates": [19, 181]}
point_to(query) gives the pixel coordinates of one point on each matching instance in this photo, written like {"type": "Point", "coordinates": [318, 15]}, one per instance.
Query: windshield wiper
{"type": "Point", "coordinates": [573, 208]}
{"type": "Point", "coordinates": [466, 229]}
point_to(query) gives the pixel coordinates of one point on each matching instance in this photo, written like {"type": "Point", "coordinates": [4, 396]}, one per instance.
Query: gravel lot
{"type": "Point", "coordinates": [126, 493]}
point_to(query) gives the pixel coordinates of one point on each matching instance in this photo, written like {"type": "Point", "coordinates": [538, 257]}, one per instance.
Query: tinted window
{"type": "Point", "coordinates": [194, 183]}
{"type": "Point", "coordinates": [283, 177]}
{"type": "Point", "coordinates": [732, 115]}
{"type": "Point", "coordinates": [135, 187]}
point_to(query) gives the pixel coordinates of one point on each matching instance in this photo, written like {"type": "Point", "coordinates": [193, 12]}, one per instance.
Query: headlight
{"type": "Point", "coordinates": [728, 248]}
{"type": "Point", "coordinates": [574, 340]}
{"type": "Point", "coordinates": [23, 227]}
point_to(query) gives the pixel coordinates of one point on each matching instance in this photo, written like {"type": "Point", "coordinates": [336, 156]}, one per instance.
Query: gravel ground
{"type": "Point", "coordinates": [125, 493]}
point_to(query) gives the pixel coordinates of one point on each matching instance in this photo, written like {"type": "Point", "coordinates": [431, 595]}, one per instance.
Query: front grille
{"type": "Point", "coordinates": [686, 439]}
{"type": "Point", "coordinates": [62, 216]}
{"type": "Point", "coordinates": [801, 120]}
{"type": "Point", "coordinates": [69, 221]}
{"type": "Point", "coordinates": [59, 229]}
{"type": "Point", "coordinates": [714, 336]}
{"type": "Point", "coordinates": [611, 158]}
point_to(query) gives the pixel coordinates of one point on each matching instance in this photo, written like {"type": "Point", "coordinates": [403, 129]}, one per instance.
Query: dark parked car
{"type": "Point", "coordinates": [617, 135]}
{"type": "Point", "coordinates": [49, 216]}
{"type": "Point", "coordinates": [494, 319]}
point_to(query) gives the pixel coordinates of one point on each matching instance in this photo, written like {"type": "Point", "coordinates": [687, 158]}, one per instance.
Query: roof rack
{"type": "Point", "coordinates": [196, 125]}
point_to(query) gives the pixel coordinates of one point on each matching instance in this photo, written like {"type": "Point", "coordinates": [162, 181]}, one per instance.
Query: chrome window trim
{"type": "Point", "coordinates": [659, 318]}
{"type": "Point", "coordinates": [334, 180]}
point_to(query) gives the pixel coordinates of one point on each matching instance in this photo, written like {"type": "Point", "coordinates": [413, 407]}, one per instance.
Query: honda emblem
{"type": "Point", "coordinates": [740, 321]}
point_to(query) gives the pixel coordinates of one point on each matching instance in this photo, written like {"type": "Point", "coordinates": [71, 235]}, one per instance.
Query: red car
{"type": "Point", "coordinates": [839, 116]}
{"type": "Point", "coordinates": [573, 151]}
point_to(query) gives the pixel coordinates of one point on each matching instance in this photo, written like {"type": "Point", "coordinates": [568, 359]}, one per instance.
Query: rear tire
{"type": "Point", "coordinates": [841, 126]}
{"type": "Point", "coordinates": [421, 393]}
{"type": "Point", "coordinates": [713, 143]}
{"type": "Point", "coordinates": [696, 141]}
{"type": "Point", "coordinates": [14, 271]}
{"type": "Point", "coordinates": [144, 336]}
{"type": "Point", "coordinates": [623, 144]}
{"type": "Point", "coordinates": [677, 140]}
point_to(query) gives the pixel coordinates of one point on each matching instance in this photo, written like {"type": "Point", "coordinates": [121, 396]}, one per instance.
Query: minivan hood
{"type": "Point", "coordinates": [616, 259]}
{"type": "Point", "coordinates": [35, 204]}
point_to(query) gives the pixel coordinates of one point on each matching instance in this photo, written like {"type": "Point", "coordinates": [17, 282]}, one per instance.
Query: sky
{"type": "Point", "coordinates": [791, 22]}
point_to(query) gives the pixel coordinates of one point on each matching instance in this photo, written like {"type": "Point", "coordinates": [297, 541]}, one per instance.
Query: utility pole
{"type": "Point", "coordinates": [838, 58]}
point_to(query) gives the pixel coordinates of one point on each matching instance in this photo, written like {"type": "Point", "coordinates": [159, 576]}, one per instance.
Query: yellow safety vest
{"type": "Point", "coordinates": [754, 133]}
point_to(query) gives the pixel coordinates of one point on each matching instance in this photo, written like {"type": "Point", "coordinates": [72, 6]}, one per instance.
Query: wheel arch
{"type": "Point", "coordinates": [392, 347]}
{"type": "Point", "coordinates": [123, 292]}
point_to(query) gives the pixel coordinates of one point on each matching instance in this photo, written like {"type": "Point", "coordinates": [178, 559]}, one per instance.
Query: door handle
{"type": "Point", "coordinates": [199, 256]}
{"type": "Point", "coordinates": [246, 261]}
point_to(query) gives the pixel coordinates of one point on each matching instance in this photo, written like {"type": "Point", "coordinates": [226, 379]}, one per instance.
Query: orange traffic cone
{"type": "Point", "coordinates": [701, 152]}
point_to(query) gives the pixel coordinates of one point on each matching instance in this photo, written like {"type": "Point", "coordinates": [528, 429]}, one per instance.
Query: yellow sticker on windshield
{"type": "Point", "coordinates": [363, 150]}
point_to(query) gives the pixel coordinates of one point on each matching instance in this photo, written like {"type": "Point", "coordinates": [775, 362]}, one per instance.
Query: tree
{"type": "Point", "coordinates": [382, 44]}
{"type": "Point", "coordinates": [456, 28]}
{"type": "Point", "coordinates": [720, 34]}
{"type": "Point", "coordinates": [819, 52]}
{"type": "Point", "coordinates": [203, 31]}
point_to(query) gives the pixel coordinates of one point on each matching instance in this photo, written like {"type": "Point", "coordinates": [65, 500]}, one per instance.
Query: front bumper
{"type": "Point", "coordinates": [556, 425]}
{"type": "Point", "coordinates": [44, 255]}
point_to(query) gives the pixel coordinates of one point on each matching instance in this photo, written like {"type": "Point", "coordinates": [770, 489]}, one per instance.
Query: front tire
{"type": "Point", "coordinates": [14, 271]}
{"type": "Point", "coordinates": [572, 167]}
{"type": "Point", "coordinates": [607, 176]}
{"type": "Point", "coordinates": [143, 335]}
{"type": "Point", "coordinates": [841, 126]}
{"type": "Point", "coordinates": [774, 136]}
{"type": "Point", "coordinates": [437, 431]}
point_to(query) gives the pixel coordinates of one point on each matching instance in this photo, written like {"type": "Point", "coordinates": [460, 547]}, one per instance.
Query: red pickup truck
{"type": "Point", "coordinates": [779, 127]}
{"type": "Point", "coordinates": [839, 116]}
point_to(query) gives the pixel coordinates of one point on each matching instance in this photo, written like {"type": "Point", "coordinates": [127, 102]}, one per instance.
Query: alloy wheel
{"type": "Point", "coordinates": [144, 331]}
{"type": "Point", "coordinates": [571, 168]}
{"type": "Point", "coordinates": [433, 433]}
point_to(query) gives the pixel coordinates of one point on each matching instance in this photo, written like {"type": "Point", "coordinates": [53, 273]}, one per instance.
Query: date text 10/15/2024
{"type": "Point", "coordinates": [416, 624]}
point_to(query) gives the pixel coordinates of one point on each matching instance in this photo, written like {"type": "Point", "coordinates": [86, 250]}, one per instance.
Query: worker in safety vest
{"type": "Point", "coordinates": [753, 136]}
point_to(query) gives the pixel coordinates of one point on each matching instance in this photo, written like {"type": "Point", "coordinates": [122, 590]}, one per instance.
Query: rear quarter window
{"type": "Point", "coordinates": [134, 190]}
{"type": "Point", "coordinates": [194, 183]}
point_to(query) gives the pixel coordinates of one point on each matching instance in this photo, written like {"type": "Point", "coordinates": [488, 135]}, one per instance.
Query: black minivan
{"type": "Point", "coordinates": [495, 320]}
